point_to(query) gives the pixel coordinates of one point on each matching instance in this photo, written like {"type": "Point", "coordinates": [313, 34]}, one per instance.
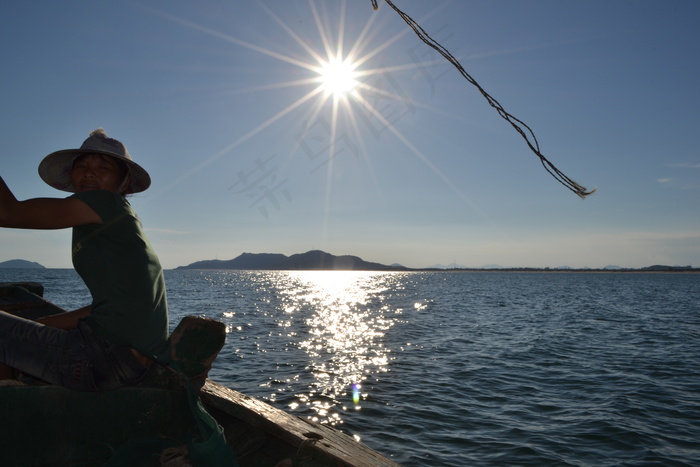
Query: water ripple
{"type": "Point", "coordinates": [450, 368]}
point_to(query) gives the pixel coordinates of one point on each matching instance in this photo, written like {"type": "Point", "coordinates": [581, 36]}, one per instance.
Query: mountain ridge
{"type": "Point", "coordinates": [314, 260]}
{"type": "Point", "coordinates": [317, 260]}
{"type": "Point", "coordinates": [20, 264]}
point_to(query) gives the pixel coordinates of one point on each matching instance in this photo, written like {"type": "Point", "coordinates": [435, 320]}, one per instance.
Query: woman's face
{"type": "Point", "coordinates": [96, 172]}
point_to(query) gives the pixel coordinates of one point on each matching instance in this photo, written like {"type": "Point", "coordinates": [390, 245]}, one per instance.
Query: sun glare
{"type": "Point", "coordinates": [337, 76]}
{"type": "Point", "coordinates": [334, 70]}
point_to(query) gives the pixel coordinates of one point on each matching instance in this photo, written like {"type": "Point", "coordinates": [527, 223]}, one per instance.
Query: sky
{"type": "Point", "coordinates": [250, 148]}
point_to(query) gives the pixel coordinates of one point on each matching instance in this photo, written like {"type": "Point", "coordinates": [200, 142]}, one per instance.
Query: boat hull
{"type": "Point", "coordinates": [50, 425]}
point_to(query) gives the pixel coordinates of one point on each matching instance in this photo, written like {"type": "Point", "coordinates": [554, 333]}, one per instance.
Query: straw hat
{"type": "Point", "coordinates": [56, 168]}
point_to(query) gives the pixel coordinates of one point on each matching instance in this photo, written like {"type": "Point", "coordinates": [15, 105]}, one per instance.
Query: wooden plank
{"type": "Point", "coordinates": [325, 441]}
{"type": "Point", "coordinates": [25, 299]}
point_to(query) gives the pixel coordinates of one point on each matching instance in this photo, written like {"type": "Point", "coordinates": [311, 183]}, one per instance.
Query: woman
{"type": "Point", "coordinates": [112, 342]}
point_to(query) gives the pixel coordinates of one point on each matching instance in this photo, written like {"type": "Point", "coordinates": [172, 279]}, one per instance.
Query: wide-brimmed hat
{"type": "Point", "coordinates": [56, 168]}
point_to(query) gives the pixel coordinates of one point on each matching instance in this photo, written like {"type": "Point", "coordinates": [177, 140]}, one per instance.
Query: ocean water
{"type": "Point", "coordinates": [460, 368]}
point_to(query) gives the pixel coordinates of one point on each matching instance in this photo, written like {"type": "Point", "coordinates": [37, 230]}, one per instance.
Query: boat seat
{"type": "Point", "coordinates": [25, 299]}
{"type": "Point", "coordinates": [194, 345]}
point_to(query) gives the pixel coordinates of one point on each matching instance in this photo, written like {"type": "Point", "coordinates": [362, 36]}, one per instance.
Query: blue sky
{"type": "Point", "coordinates": [219, 101]}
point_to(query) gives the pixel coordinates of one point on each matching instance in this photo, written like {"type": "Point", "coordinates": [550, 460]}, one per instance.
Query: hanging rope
{"type": "Point", "coordinates": [520, 126]}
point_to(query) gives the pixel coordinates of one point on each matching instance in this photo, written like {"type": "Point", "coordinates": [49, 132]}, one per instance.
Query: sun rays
{"type": "Point", "coordinates": [341, 83]}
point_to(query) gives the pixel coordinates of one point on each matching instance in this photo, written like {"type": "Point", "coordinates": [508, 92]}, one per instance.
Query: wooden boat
{"type": "Point", "coordinates": [50, 425]}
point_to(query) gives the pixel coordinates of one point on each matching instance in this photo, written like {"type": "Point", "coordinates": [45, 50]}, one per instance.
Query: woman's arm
{"type": "Point", "coordinates": [67, 320]}
{"type": "Point", "coordinates": [43, 213]}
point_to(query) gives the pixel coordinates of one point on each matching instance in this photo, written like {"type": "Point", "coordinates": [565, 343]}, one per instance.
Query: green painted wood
{"type": "Point", "coordinates": [50, 425]}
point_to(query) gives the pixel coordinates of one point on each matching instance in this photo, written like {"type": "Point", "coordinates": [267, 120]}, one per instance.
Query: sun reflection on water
{"type": "Point", "coordinates": [345, 322]}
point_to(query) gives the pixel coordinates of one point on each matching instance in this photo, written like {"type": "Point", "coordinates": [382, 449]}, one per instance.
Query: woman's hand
{"type": "Point", "coordinates": [67, 320]}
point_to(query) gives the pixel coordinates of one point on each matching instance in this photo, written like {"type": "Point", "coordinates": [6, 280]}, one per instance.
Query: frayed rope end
{"type": "Point", "coordinates": [582, 193]}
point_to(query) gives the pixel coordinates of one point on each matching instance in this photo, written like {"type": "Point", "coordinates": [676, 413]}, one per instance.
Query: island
{"type": "Point", "coordinates": [20, 264]}
{"type": "Point", "coordinates": [314, 260]}
{"type": "Point", "coordinates": [317, 260]}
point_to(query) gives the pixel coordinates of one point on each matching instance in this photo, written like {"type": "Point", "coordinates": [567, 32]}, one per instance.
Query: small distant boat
{"type": "Point", "coordinates": [50, 425]}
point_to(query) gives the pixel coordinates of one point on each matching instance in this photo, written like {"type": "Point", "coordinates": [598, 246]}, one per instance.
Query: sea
{"type": "Point", "coordinates": [454, 368]}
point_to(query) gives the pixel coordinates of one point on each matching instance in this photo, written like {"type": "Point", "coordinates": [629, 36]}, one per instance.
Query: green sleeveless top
{"type": "Point", "coordinates": [124, 276]}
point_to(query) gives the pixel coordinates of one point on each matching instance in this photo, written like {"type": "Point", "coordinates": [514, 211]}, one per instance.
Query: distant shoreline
{"type": "Point", "coordinates": [318, 260]}
{"type": "Point", "coordinates": [457, 270]}
{"type": "Point", "coordinates": [570, 271]}
{"type": "Point", "coordinates": [479, 270]}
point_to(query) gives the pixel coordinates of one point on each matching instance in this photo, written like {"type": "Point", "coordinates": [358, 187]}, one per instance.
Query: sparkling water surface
{"type": "Point", "coordinates": [460, 368]}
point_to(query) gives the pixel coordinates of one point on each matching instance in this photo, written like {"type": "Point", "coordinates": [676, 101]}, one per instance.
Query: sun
{"type": "Point", "coordinates": [338, 76]}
